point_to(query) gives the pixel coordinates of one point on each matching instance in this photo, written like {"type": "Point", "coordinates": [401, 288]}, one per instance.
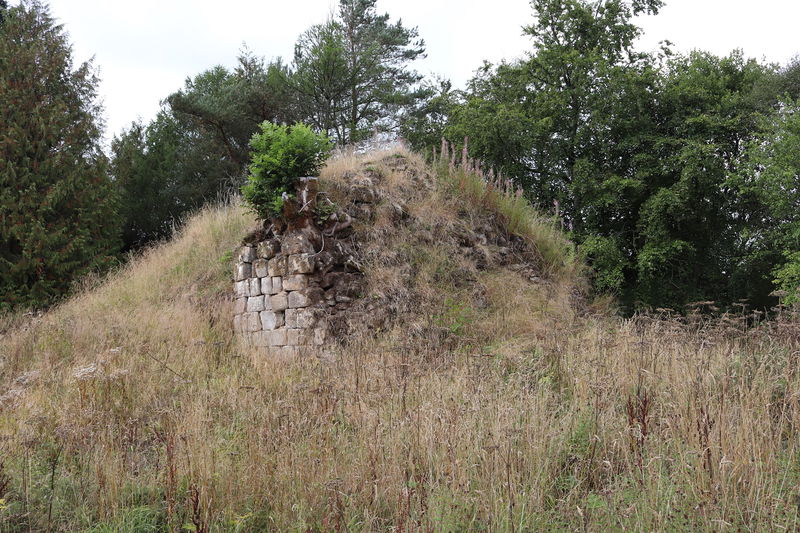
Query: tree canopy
{"type": "Point", "coordinates": [57, 208]}
{"type": "Point", "coordinates": [638, 155]}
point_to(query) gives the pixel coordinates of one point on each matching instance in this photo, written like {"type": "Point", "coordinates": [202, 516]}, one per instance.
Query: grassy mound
{"type": "Point", "coordinates": [506, 405]}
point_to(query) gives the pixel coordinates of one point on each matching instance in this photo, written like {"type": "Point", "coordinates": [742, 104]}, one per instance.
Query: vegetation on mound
{"type": "Point", "coordinates": [281, 155]}
{"type": "Point", "coordinates": [131, 408]}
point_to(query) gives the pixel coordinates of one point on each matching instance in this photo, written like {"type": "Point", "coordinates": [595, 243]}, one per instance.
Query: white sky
{"type": "Point", "coordinates": [145, 49]}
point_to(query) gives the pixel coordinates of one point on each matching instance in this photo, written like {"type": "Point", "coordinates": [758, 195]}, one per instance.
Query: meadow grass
{"type": "Point", "coordinates": [131, 407]}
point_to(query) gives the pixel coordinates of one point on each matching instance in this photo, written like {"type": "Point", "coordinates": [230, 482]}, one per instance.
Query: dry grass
{"type": "Point", "coordinates": [130, 408]}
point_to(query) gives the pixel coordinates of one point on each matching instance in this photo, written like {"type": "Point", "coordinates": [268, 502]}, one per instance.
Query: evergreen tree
{"type": "Point", "coordinates": [197, 148]}
{"type": "Point", "coordinates": [377, 54]}
{"type": "Point", "coordinates": [352, 73]}
{"type": "Point", "coordinates": [320, 78]}
{"type": "Point", "coordinates": [57, 211]}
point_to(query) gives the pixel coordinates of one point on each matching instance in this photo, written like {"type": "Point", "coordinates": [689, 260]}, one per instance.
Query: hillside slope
{"type": "Point", "coordinates": [497, 400]}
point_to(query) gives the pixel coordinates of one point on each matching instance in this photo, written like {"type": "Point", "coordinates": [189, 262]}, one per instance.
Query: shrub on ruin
{"type": "Point", "coordinates": [281, 154]}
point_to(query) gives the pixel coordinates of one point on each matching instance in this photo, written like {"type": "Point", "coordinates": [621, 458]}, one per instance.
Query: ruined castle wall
{"type": "Point", "coordinates": [278, 299]}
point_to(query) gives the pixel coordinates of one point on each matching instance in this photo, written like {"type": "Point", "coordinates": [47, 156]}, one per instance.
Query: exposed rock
{"type": "Point", "coordinates": [300, 318]}
{"type": "Point", "coordinates": [309, 271]}
{"type": "Point", "coordinates": [299, 337]}
{"type": "Point", "coordinates": [255, 287]}
{"type": "Point", "coordinates": [299, 299]}
{"type": "Point", "coordinates": [255, 304]}
{"type": "Point", "coordinates": [241, 289]}
{"type": "Point", "coordinates": [243, 271]}
{"type": "Point", "coordinates": [295, 282]}
{"type": "Point", "coordinates": [251, 322]}
{"type": "Point", "coordinates": [268, 249]}
{"type": "Point", "coordinates": [277, 285]}
{"type": "Point", "coordinates": [260, 267]}
{"type": "Point", "coordinates": [300, 264]}
{"type": "Point", "coordinates": [247, 254]}
{"type": "Point", "coordinates": [277, 266]}
{"type": "Point", "coordinates": [280, 301]}
{"type": "Point", "coordinates": [277, 337]}
{"type": "Point", "coordinates": [271, 320]}
{"type": "Point", "coordinates": [266, 286]}
{"type": "Point", "coordinates": [306, 240]}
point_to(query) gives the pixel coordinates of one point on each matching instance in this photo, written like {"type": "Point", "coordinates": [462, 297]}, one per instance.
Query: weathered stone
{"type": "Point", "coordinates": [255, 304]}
{"type": "Point", "coordinates": [277, 285]}
{"type": "Point", "coordinates": [260, 267]}
{"type": "Point", "coordinates": [241, 289]}
{"type": "Point", "coordinates": [266, 285]}
{"type": "Point", "coordinates": [258, 338]}
{"type": "Point", "coordinates": [239, 306]}
{"type": "Point", "coordinates": [363, 190]}
{"type": "Point", "coordinates": [277, 266]}
{"type": "Point", "coordinates": [247, 254]}
{"type": "Point", "coordinates": [268, 249]}
{"type": "Point", "coordinates": [297, 243]}
{"type": "Point", "coordinates": [271, 320]}
{"type": "Point", "coordinates": [320, 335]}
{"type": "Point", "coordinates": [255, 287]}
{"type": "Point", "coordinates": [237, 323]}
{"type": "Point", "coordinates": [299, 299]}
{"type": "Point", "coordinates": [243, 271]}
{"type": "Point", "coordinates": [276, 337]}
{"type": "Point", "coordinates": [267, 303]}
{"type": "Point", "coordinates": [279, 301]}
{"type": "Point", "coordinates": [251, 322]}
{"type": "Point", "coordinates": [300, 264]}
{"type": "Point", "coordinates": [295, 282]}
{"type": "Point", "coordinates": [299, 318]}
{"type": "Point", "coordinates": [298, 337]}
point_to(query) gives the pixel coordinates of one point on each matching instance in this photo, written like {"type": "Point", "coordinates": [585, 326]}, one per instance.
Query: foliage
{"type": "Point", "coordinates": [609, 264]}
{"type": "Point", "coordinates": [227, 107]}
{"type": "Point", "coordinates": [57, 207]}
{"type": "Point", "coordinates": [423, 124]}
{"type": "Point", "coordinates": [196, 148]}
{"type": "Point", "coordinates": [352, 74]}
{"type": "Point", "coordinates": [319, 77]}
{"type": "Point", "coordinates": [770, 182]}
{"type": "Point", "coordinates": [281, 154]}
{"type": "Point", "coordinates": [635, 152]}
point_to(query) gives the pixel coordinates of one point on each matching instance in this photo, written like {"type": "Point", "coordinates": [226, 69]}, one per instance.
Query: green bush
{"type": "Point", "coordinates": [281, 154]}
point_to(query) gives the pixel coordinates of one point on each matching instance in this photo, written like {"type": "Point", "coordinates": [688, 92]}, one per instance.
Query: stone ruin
{"type": "Point", "coordinates": [275, 299]}
{"type": "Point", "coordinates": [291, 281]}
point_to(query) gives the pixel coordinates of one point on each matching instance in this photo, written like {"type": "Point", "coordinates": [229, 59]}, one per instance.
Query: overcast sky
{"type": "Point", "coordinates": [145, 49]}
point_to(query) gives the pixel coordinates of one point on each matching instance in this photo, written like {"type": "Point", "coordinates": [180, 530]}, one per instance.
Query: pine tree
{"type": "Point", "coordinates": [352, 74]}
{"type": "Point", "coordinates": [57, 210]}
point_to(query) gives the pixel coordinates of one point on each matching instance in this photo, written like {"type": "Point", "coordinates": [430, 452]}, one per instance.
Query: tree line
{"type": "Point", "coordinates": [677, 175]}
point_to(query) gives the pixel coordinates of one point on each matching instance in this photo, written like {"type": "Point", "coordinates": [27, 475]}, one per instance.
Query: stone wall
{"type": "Point", "coordinates": [278, 299]}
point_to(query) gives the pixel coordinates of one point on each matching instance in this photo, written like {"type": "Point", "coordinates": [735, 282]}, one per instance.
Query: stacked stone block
{"type": "Point", "coordinates": [277, 299]}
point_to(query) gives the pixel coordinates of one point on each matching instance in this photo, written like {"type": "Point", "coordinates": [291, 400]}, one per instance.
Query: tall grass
{"type": "Point", "coordinates": [482, 188]}
{"type": "Point", "coordinates": [131, 408]}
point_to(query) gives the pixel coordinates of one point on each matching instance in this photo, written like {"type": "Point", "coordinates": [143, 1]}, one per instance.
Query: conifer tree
{"type": "Point", "coordinates": [57, 212]}
{"type": "Point", "coordinates": [352, 74]}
